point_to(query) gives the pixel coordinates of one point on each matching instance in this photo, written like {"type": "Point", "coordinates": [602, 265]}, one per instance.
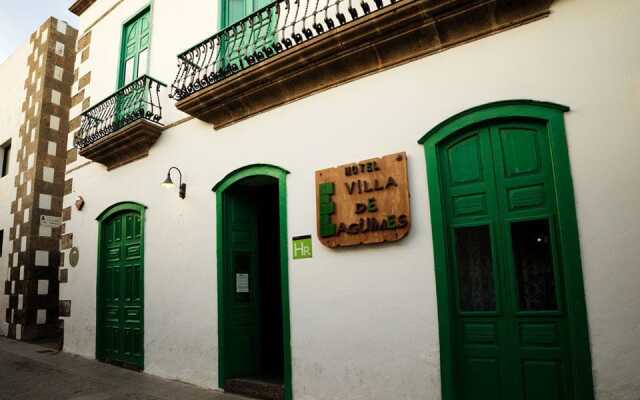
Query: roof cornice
{"type": "Point", "coordinates": [80, 6]}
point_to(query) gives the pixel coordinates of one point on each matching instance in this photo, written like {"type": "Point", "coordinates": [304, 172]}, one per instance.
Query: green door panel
{"type": "Point", "coordinates": [543, 379]}
{"type": "Point", "coordinates": [242, 297]}
{"type": "Point", "coordinates": [237, 9]}
{"type": "Point", "coordinates": [482, 376]}
{"type": "Point", "coordinates": [121, 289]}
{"type": "Point", "coordinates": [510, 326]}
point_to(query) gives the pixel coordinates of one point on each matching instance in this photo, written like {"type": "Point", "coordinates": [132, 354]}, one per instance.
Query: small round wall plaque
{"type": "Point", "coordinates": [74, 255]}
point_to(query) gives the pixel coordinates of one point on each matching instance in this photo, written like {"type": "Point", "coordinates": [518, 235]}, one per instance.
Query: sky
{"type": "Point", "coordinates": [19, 18]}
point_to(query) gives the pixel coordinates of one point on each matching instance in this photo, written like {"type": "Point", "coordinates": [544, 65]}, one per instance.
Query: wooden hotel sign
{"type": "Point", "coordinates": [364, 202]}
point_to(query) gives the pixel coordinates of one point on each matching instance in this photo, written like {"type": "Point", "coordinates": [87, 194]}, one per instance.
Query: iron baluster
{"type": "Point", "coordinates": [139, 99]}
{"type": "Point", "coordinates": [273, 29]}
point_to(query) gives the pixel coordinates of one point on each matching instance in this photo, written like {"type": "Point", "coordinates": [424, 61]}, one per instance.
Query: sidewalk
{"type": "Point", "coordinates": [38, 373]}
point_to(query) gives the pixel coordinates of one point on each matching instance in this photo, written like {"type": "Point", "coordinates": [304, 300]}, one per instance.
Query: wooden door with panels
{"type": "Point", "coordinates": [507, 256]}
{"type": "Point", "coordinates": [120, 331]}
{"type": "Point", "coordinates": [243, 293]}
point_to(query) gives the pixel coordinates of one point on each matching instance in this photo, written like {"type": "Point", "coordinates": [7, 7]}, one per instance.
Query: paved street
{"type": "Point", "coordinates": [38, 373]}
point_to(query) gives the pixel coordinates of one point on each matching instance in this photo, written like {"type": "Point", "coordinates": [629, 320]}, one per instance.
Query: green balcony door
{"type": "Point", "coordinates": [121, 288]}
{"type": "Point", "coordinates": [242, 294]}
{"type": "Point", "coordinates": [510, 324]}
{"type": "Point", "coordinates": [134, 56]}
{"type": "Point", "coordinates": [252, 37]}
{"type": "Point", "coordinates": [134, 59]}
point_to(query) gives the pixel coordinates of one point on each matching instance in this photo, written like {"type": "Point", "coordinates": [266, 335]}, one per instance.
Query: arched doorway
{"type": "Point", "coordinates": [511, 303]}
{"type": "Point", "coordinates": [120, 287]}
{"type": "Point", "coordinates": [253, 289]}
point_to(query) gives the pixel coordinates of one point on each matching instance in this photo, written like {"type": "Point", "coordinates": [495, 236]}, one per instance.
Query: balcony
{"type": "Point", "coordinates": [122, 127]}
{"type": "Point", "coordinates": [293, 48]}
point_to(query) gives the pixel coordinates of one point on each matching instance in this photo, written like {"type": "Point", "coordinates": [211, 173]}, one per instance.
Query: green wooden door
{"type": "Point", "coordinates": [134, 59]}
{"type": "Point", "coordinates": [121, 291]}
{"type": "Point", "coordinates": [241, 296]}
{"type": "Point", "coordinates": [511, 335]}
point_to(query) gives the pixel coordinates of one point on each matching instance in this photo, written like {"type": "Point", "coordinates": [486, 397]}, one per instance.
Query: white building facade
{"type": "Point", "coordinates": [15, 65]}
{"type": "Point", "coordinates": [517, 122]}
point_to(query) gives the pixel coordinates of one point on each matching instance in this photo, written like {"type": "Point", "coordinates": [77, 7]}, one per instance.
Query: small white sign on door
{"type": "Point", "coordinates": [242, 283]}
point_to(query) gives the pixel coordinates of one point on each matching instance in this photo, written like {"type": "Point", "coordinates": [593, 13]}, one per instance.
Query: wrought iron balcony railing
{"type": "Point", "coordinates": [139, 100]}
{"type": "Point", "coordinates": [275, 28]}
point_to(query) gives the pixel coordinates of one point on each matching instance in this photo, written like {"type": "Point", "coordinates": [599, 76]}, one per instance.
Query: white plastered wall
{"type": "Point", "coordinates": [13, 72]}
{"type": "Point", "coordinates": [364, 320]}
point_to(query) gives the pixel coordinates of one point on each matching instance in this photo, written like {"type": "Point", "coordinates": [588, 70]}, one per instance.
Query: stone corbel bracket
{"type": "Point", "coordinates": [125, 145]}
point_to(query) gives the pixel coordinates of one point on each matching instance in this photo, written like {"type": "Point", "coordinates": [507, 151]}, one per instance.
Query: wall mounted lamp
{"type": "Point", "coordinates": [168, 183]}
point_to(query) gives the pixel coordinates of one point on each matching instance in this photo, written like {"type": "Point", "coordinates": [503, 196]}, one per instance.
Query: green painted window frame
{"type": "Point", "coordinates": [101, 218]}
{"type": "Point", "coordinates": [280, 175]}
{"type": "Point", "coordinates": [552, 115]}
{"type": "Point", "coordinates": [223, 15]}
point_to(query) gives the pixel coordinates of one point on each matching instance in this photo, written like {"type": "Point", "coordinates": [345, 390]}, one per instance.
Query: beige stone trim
{"type": "Point", "coordinates": [84, 41]}
{"type": "Point", "coordinates": [84, 80]}
{"type": "Point", "coordinates": [85, 55]}
{"type": "Point", "coordinates": [74, 124]}
{"type": "Point", "coordinates": [77, 98]}
{"type": "Point", "coordinates": [86, 103]}
{"type": "Point", "coordinates": [66, 213]}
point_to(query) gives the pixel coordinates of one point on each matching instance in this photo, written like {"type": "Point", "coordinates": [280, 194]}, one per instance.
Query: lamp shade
{"type": "Point", "coordinates": [167, 182]}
